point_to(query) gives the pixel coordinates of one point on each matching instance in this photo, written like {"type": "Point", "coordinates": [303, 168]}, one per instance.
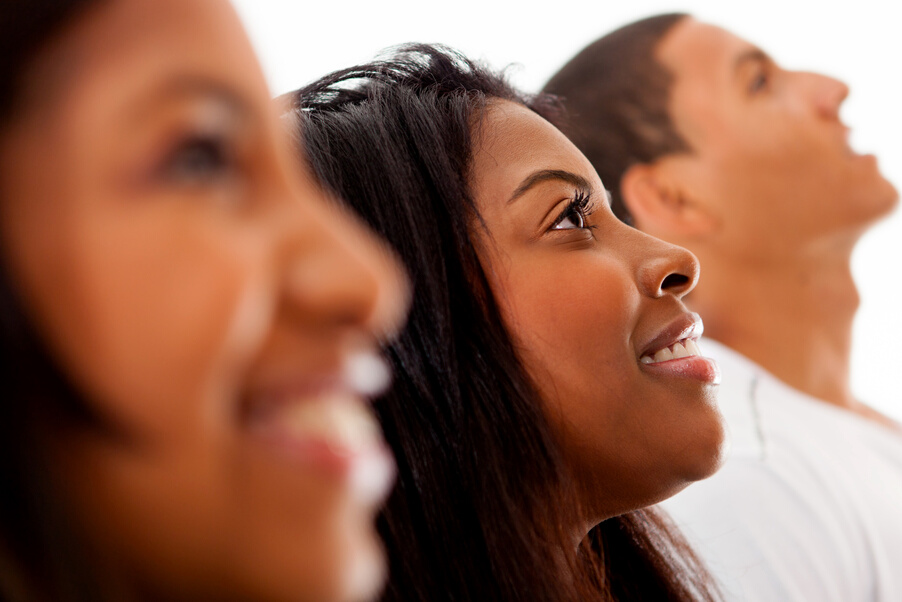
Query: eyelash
{"type": "Point", "coordinates": [581, 206]}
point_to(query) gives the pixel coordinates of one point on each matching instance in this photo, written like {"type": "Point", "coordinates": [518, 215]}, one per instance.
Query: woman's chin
{"type": "Point", "coordinates": [366, 573]}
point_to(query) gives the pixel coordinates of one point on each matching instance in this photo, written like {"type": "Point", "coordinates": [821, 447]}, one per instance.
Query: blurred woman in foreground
{"type": "Point", "coordinates": [559, 388]}
{"type": "Point", "coordinates": [188, 330]}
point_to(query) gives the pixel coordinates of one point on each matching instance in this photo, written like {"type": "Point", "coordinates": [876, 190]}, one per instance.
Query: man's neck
{"type": "Point", "coordinates": [792, 316]}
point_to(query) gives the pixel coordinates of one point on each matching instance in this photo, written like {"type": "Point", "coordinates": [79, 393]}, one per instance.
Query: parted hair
{"type": "Point", "coordinates": [484, 500]}
{"type": "Point", "coordinates": [616, 96]}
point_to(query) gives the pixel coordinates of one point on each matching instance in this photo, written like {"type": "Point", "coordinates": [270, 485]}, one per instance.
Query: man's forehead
{"type": "Point", "coordinates": [706, 62]}
{"type": "Point", "coordinates": [700, 51]}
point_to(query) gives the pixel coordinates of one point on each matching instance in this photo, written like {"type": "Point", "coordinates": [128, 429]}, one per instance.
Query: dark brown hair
{"type": "Point", "coordinates": [616, 95]}
{"type": "Point", "coordinates": [41, 557]}
{"type": "Point", "coordinates": [484, 499]}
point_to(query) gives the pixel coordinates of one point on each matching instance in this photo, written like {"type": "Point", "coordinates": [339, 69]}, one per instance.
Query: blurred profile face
{"type": "Point", "coordinates": [770, 153]}
{"type": "Point", "coordinates": [595, 307]}
{"type": "Point", "coordinates": [208, 303]}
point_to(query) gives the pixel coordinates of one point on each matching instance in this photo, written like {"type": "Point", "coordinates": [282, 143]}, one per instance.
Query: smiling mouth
{"type": "Point", "coordinates": [674, 352]}
{"type": "Point", "coordinates": [850, 150]}
{"type": "Point", "coordinates": [337, 420]}
{"type": "Point", "coordinates": [325, 421]}
{"type": "Point", "coordinates": [681, 349]}
{"type": "Point", "coordinates": [331, 410]}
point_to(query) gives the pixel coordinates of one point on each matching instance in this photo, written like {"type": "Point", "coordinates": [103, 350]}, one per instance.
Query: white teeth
{"type": "Point", "coordinates": [367, 374]}
{"type": "Point", "coordinates": [680, 350]}
{"type": "Point", "coordinates": [663, 355]}
{"type": "Point", "coordinates": [345, 424]}
{"type": "Point", "coordinates": [692, 347]}
{"type": "Point", "coordinates": [371, 476]}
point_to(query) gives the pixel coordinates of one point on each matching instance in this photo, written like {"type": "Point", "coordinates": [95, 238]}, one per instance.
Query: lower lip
{"type": "Point", "coordinates": [696, 368]}
{"type": "Point", "coordinates": [369, 472]}
{"type": "Point", "coordinates": [861, 156]}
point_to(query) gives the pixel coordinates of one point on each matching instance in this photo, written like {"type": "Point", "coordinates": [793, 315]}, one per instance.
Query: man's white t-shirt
{"type": "Point", "coordinates": [807, 507]}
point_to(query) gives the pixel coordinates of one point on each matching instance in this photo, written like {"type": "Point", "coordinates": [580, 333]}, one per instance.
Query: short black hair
{"type": "Point", "coordinates": [616, 95]}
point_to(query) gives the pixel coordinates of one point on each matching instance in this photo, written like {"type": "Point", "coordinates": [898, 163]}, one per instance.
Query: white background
{"type": "Point", "coordinates": [859, 42]}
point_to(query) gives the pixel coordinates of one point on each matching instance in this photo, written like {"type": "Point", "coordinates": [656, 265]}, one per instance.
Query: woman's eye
{"type": "Point", "coordinates": [198, 160]}
{"type": "Point", "coordinates": [571, 220]}
{"type": "Point", "coordinates": [575, 216]}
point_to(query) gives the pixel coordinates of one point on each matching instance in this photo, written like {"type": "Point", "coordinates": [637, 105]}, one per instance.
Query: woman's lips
{"type": "Point", "coordinates": [326, 422]}
{"type": "Point", "coordinates": [338, 419]}
{"type": "Point", "coordinates": [681, 349]}
{"type": "Point", "coordinates": [694, 366]}
{"type": "Point", "coordinates": [336, 433]}
{"type": "Point", "coordinates": [675, 351]}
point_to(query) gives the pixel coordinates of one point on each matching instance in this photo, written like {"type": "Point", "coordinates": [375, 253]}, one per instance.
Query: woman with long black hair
{"type": "Point", "coordinates": [187, 329]}
{"type": "Point", "coordinates": [559, 388]}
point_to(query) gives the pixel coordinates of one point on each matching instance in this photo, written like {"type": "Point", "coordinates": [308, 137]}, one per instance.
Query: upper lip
{"type": "Point", "coordinates": [687, 326]}
{"type": "Point", "coordinates": [262, 400]}
{"type": "Point", "coordinates": [330, 379]}
{"type": "Point", "coordinates": [847, 141]}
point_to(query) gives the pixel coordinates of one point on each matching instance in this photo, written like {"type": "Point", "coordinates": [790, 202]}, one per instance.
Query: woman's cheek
{"type": "Point", "coordinates": [167, 327]}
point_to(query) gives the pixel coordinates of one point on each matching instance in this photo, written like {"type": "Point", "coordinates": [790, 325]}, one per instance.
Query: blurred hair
{"type": "Point", "coordinates": [484, 500]}
{"type": "Point", "coordinates": [616, 94]}
{"type": "Point", "coordinates": [41, 558]}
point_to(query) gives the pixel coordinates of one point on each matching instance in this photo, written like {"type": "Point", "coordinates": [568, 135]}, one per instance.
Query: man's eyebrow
{"type": "Point", "coordinates": [752, 55]}
{"type": "Point", "coordinates": [547, 175]}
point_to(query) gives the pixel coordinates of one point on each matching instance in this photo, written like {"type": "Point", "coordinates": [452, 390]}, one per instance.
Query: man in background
{"type": "Point", "coordinates": [706, 142]}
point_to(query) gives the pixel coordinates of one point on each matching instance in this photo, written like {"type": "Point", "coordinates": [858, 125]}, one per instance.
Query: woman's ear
{"type": "Point", "coordinates": [661, 207]}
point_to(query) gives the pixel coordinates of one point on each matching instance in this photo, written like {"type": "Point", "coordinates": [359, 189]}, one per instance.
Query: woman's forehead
{"type": "Point", "coordinates": [514, 142]}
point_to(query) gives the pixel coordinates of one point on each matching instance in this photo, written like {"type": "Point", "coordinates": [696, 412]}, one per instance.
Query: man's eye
{"type": "Point", "coordinates": [759, 83]}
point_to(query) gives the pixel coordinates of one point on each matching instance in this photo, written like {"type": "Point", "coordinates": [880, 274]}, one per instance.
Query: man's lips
{"type": "Point", "coordinates": [848, 149]}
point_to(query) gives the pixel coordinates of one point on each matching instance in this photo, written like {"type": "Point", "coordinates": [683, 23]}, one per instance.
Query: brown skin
{"type": "Point", "coordinates": [580, 302]}
{"type": "Point", "coordinates": [173, 259]}
{"type": "Point", "coordinates": [771, 200]}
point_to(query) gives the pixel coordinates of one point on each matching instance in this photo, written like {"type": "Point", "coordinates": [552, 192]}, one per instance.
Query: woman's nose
{"type": "Point", "coordinates": [667, 269]}
{"type": "Point", "coordinates": [341, 274]}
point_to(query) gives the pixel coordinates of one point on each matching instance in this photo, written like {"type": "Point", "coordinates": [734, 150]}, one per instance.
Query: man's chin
{"type": "Point", "coordinates": [874, 197]}
{"type": "Point", "coordinates": [885, 199]}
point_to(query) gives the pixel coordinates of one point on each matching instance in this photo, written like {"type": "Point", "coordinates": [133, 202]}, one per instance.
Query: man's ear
{"type": "Point", "coordinates": [660, 207]}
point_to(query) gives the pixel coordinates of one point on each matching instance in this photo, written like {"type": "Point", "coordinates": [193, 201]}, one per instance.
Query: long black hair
{"type": "Point", "coordinates": [41, 557]}
{"type": "Point", "coordinates": [484, 501]}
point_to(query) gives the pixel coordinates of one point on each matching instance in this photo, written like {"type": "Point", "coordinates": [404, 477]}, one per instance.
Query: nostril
{"type": "Point", "coordinates": [674, 281]}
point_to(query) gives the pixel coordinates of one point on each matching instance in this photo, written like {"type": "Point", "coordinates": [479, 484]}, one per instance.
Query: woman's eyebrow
{"type": "Point", "coordinates": [546, 175]}
{"type": "Point", "coordinates": [189, 86]}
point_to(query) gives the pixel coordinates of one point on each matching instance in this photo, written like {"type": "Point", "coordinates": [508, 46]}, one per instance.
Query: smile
{"type": "Point", "coordinates": [681, 349]}
{"type": "Point", "coordinates": [337, 420]}
{"type": "Point", "coordinates": [325, 420]}
{"type": "Point", "coordinates": [674, 352]}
